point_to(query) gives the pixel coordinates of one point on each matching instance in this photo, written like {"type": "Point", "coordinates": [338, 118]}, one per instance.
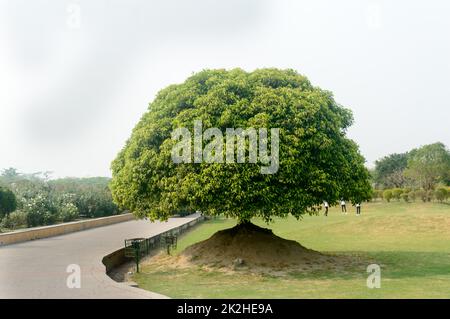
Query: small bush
{"type": "Point", "coordinates": [377, 194]}
{"type": "Point", "coordinates": [40, 211]}
{"type": "Point", "coordinates": [420, 193]}
{"type": "Point", "coordinates": [14, 220]}
{"type": "Point", "coordinates": [387, 195]}
{"type": "Point", "coordinates": [397, 193]}
{"type": "Point", "coordinates": [8, 202]}
{"type": "Point", "coordinates": [405, 197]}
{"type": "Point", "coordinates": [441, 194]}
{"type": "Point", "coordinates": [430, 195]}
{"type": "Point", "coordinates": [68, 212]}
{"type": "Point", "coordinates": [412, 196]}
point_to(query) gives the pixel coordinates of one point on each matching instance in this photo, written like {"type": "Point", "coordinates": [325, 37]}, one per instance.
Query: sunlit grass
{"type": "Point", "coordinates": [410, 241]}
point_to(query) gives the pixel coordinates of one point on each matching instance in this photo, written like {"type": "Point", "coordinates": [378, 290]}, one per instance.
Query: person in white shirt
{"type": "Point", "coordinates": [358, 209]}
{"type": "Point", "coordinates": [343, 207]}
{"type": "Point", "coordinates": [325, 204]}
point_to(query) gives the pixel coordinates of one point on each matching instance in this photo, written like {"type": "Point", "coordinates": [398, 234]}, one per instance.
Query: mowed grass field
{"type": "Point", "coordinates": [410, 241]}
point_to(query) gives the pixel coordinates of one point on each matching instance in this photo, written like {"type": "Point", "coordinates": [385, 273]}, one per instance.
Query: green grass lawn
{"type": "Point", "coordinates": [410, 241]}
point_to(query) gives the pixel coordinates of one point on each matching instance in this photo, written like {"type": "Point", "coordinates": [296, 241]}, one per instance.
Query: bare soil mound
{"type": "Point", "coordinates": [249, 245]}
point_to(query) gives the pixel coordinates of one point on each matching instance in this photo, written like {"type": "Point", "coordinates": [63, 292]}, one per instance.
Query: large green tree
{"type": "Point", "coordinates": [316, 160]}
{"type": "Point", "coordinates": [429, 165]}
{"type": "Point", "coordinates": [389, 171]}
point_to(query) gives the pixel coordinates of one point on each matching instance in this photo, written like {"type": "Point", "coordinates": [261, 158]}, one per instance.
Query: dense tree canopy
{"type": "Point", "coordinates": [429, 165]}
{"type": "Point", "coordinates": [388, 172]}
{"type": "Point", "coordinates": [316, 160]}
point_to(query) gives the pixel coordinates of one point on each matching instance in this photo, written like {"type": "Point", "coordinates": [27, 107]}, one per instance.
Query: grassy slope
{"type": "Point", "coordinates": [411, 242]}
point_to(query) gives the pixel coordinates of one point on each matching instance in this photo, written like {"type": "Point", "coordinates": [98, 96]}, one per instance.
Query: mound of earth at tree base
{"type": "Point", "coordinates": [248, 245]}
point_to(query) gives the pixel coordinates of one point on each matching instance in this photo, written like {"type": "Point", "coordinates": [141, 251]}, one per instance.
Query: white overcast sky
{"type": "Point", "coordinates": [72, 89]}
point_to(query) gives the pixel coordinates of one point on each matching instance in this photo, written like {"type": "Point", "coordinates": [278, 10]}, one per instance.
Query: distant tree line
{"type": "Point", "coordinates": [29, 200]}
{"type": "Point", "coordinates": [422, 173]}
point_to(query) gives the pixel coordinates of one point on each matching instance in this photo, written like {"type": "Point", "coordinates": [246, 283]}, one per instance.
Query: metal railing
{"type": "Point", "coordinates": [137, 248]}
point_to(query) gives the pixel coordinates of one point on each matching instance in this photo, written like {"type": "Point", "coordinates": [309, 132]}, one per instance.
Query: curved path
{"type": "Point", "coordinates": [37, 269]}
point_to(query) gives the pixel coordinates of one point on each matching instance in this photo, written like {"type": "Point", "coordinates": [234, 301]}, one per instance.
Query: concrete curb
{"type": "Point", "coordinates": [60, 229]}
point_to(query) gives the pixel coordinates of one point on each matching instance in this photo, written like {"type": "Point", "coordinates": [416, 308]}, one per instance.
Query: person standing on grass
{"type": "Point", "coordinates": [343, 207]}
{"type": "Point", "coordinates": [358, 209]}
{"type": "Point", "coordinates": [325, 204]}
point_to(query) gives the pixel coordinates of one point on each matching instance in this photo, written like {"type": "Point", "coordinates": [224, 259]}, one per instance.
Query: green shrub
{"type": "Point", "coordinates": [68, 212]}
{"type": "Point", "coordinates": [96, 203]}
{"type": "Point", "coordinates": [430, 195]}
{"type": "Point", "coordinates": [441, 194]}
{"type": "Point", "coordinates": [45, 202]}
{"type": "Point", "coordinates": [8, 202]}
{"type": "Point", "coordinates": [420, 193]}
{"type": "Point", "coordinates": [397, 193]}
{"type": "Point", "coordinates": [14, 220]}
{"type": "Point", "coordinates": [377, 194]}
{"type": "Point", "coordinates": [412, 195]}
{"type": "Point", "coordinates": [387, 195]}
{"type": "Point", "coordinates": [40, 211]}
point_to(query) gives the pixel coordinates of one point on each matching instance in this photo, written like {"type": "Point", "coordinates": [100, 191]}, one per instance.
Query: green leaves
{"type": "Point", "coordinates": [8, 202]}
{"type": "Point", "coordinates": [429, 165]}
{"type": "Point", "coordinates": [317, 161]}
{"type": "Point", "coordinates": [389, 170]}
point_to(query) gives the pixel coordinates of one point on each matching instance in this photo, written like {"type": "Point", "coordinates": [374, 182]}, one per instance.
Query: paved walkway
{"type": "Point", "coordinates": [37, 269]}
